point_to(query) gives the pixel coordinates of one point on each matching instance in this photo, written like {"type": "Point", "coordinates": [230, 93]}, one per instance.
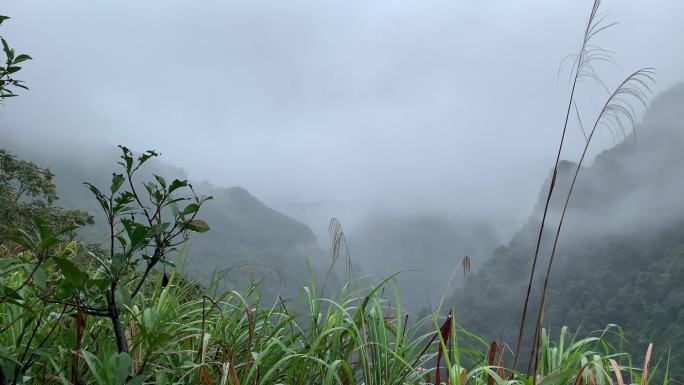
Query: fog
{"type": "Point", "coordinates": [322, 108]}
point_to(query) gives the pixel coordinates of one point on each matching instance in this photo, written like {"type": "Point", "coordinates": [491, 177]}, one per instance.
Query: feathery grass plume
{"type": "Point", "coordinates": [582, 69]}
{"type": "Point", "coordinates": [617, 112]}
{"type": "Point", "coordinates": [617, 115]}
{"type": "Point", "coordinates": [465, 263]}
{"type": "Point", "coordinates": [338, 241]}
{"type": "Point", "coordinates": [338, 247]}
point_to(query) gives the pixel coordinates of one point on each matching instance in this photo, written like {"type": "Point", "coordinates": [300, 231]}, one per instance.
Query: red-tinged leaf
{"type": "Point", "coordinates": [444, 331]}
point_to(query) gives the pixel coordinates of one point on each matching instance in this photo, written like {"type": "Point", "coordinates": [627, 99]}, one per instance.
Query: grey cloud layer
{"type": "Point", "coordinates": [418, 105]}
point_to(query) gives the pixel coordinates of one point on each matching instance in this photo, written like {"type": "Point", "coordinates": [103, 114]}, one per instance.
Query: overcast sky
{"type": "Point", "coordinates": [425, 105]}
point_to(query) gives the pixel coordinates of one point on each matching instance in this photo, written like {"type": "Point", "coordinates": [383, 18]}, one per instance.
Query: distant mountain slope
{"type": "Point", "coordinates": [621, 255]}
{"type": "Point", "coordinates": [426, 248]}
{"type": "Point", "coordinates": [244, 231]}
{"type": "Point", "coordinates": [261, 239]}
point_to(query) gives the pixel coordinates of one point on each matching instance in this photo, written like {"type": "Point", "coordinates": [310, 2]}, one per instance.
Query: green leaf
{"type": "Point", "coordinates": [118, 261]}
{"type": "Point", "coordinates": [10, 295]}
{"type": "Point", "coordinates": [104, 203]}
{"type": "Point", "coordinates": [3, 18]}
{"type": "Point", "coordinates": [122, 201]}
{"type": "Point", "coordinates": [49, 242]}
{"type": "Point", "coordinates": [21, 58]}
{"type": "Point", "coordinates": [137, 380]}
{"type": "Point", "coordinates": [146, 156]}
{"type": "Point", "coordinates": [174, 202]}
{"type": "Point", "coordinates": [23, 239]}
{"type": "Point", "coordinates": [161, 379]}
{"type": "Point", "coordinates": [16, 83]}
{"type": "Point", "coordinates": [174, 209]}
{"type": "Point", "coordinates": [150, 317]}
{"type": "Point", "coordinates": [41, 227]}
{"type": "Point", "coordinates": [5, 263]}
{"type": "Point", "coordinates": [117, 181]}
{"type": "Point", "coordinates": [123, 296]}
{"type": "Point", "coordinates": [127, 156]}
{"type": "Point", "coordinates": [71, 273]}
{"type": "Point", "coordinates": [138, 234]}
{"type": "Point", "coordinates": [150, 188]}
{"type": "Point", "coordinates": [158, 228]}
{"type": "Point", "coordinates": [176, 184]}
{"type": "Point", "coordinates": [122, 240]}
{"type": "Point", "coordinates": [40, 277]}
{"type": "Point", "coordinates": [160, 180]}
{"type": "Point", "coordinates": [95, 366]}
{"type": "Point", "coordinates": [198, 225]}
{"type": "Point", "coordinates": [8, 51]}
{"type": "Point", "coordinates": [168, 263]}
{"type": "Point", "coordinates": [101, 284]}
{"type": "Point", "coordinates": [123, 369]}
{"type": "Point", "coordinates": [190, 209]}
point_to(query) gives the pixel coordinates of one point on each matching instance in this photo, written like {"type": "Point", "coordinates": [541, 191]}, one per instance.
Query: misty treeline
{"type": "Point", "coordinates": [622, 253]}
{"type": "Point", "coordinates": [78, 312]}
{"type": "Point", "coordinates": [116, 269]}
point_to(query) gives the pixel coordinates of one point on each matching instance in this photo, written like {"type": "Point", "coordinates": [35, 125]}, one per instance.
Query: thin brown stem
{"type": "Point", "coordinates": [578, 66]}
{"type": "Point", "coordinates": [608, 107]}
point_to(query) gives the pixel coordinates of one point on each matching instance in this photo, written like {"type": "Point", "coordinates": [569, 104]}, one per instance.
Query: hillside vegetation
{"type": "Point", "coordinates": [75, 313]}
{"type": "Point", "coordinates": [133, 275]}
{"type": "Point", "coordinates": [250, 238]}
{"type": "Point", "coordinates": [622, 257]}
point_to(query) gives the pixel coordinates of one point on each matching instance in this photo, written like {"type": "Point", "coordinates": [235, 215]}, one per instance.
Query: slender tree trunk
{"type": "Point", "coordinates": [116, 322]}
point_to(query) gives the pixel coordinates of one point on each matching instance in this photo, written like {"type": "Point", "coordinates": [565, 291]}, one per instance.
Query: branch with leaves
{"type": "Point", "coordinates": [144, 227]}
{"type": "Point", "coordinates": [10, 67]}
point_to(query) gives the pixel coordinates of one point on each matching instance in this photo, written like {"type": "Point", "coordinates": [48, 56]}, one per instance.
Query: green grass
{"type": "Point", "coordinates": [181, 334]}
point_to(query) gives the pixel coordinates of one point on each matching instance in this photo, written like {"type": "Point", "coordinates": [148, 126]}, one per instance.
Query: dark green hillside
{"type": "Point", "coordinates": [621, 256]}
{"type": "Point", "coordinates": [245, 231]}
{"type": "Point", "coordinates": [263, 241]}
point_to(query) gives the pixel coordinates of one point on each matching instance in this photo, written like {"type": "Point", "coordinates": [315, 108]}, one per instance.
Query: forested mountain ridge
{"type": "Point", "coordinates": [246, 235]}
{"type": "Point", "coordinates": [621, 255]}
